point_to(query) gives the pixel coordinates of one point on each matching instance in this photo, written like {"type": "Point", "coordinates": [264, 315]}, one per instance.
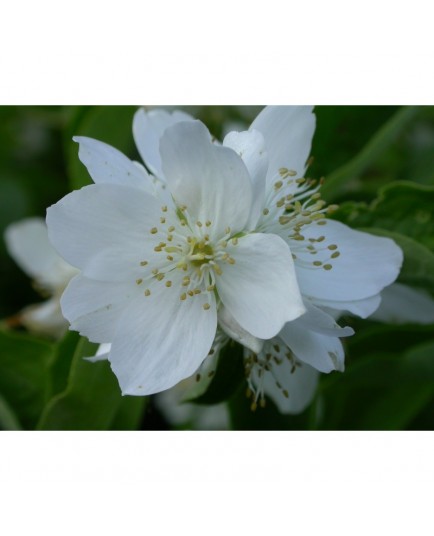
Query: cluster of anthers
{"type": "Point", "coordinates": [186, 248]}
{"type": "Point", "coordinates": [293, 204]}
{"type": "Point", "coordinates": [256, 367]}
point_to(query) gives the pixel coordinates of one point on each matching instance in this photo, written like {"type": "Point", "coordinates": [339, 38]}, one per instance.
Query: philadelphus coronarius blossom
{"type": "Point", "coordinates": [160, 257]}
{"type": "Point", "coordinates": [229, 235]}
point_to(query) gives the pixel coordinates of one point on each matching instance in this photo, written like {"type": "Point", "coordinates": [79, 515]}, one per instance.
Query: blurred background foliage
{"type": "Point", "coordinates": [378, 163]}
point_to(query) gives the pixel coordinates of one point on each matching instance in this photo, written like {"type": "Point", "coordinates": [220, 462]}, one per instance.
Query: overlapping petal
{"type": "Point", "coordinates": [322, 352]}
{"type": "Point", "coordinates": [365, 266]}
{"type": "Point", "coordinates": [260, 289]}
{"type": "Point", "coordinates": [288, 133]}
{"type": "Point", "coordinates": [148, 127]}
{"type": "Point", "coordinates": [160, 339]}
{"type": "Point", "coordinates": [106, 164]}
{"type": "Point", "coordinates": [93, 307]}
{"type": "Point", "coordinates": [211, 181]}
{"type": "Point", "coordinates": [250, 145]}
{"type": "Point", "coordinates": [102, 230]}
{"type": "Point", "coordinates": [299, 382]}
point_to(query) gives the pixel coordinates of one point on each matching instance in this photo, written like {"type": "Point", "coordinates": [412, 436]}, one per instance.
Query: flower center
{"type": "Point", "coordinates": [187, 257]}
{"type": "Point", "coordinates": [201, 253]}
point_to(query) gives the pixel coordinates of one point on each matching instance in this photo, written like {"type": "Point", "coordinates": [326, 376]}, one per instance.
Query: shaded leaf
{"type": "Point", "coordinates": [91, 399]}
{"type": "Point", "coordinates": [24, 375]}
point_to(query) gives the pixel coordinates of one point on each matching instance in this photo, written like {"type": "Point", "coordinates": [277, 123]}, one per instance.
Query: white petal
{"type": "Point", "coordinates": [362, 308]}
{"type": "Point", "coordinates": [101, 354]}
{"type": "Point", "coordinates": [401, 304]}
{"type": "Point", "coordinates": [148, 127]}
{"type": "Point", "coordinates": [288, 132]}
{"type": "Point", "coordinates": [93, 308]}
{"type": "Point", "coordinates": [211, 181]}
{"type": "Point", "coordinates": [260, 290]}
{"type": "Point", "coordinates": [108, 165]}
{"type": "Point", "coordinates": [320, 351]}
{"type": "Point", "coordinates": [28, 244]}
{"type": "Point", "coordinates": [365, 266]}
{"type": "Point", "coordinates": [161, 339]}
{"type": "Point", "coordinates": [299, 382]}
{"type": "Point", "coordinates": [319, 321]}
{"type": "Point", "coordinates": [45, 318]}
{"type": "Point", "coordinates": [231, 327]}
{"type": "Point", "coordinates": [102, 230]}
{"type": "Point", "coordinates": [250, 146]}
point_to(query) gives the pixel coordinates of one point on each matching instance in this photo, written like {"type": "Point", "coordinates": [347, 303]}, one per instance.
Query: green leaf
{"type": "Point", "coordinates": [380, 391]}
{"type": "Point", "coordinates": [24, 375]}
{"type": "Point", "coordinates": [414, 389]}
{"type": "Point", "coordinates": [62, 361]}
{"type": "Point", "coordinates": [110, 124]}
{"type": "Point", "coordinates": [344, 179]}
{"type": "Point", "coordinates": [91, 399]}
{"type": "Point", "coordinates": [8, 420]}
{"type": "Point", "coordinates": [130, 413]}
{"type": "Point", "coordinates": [402, 207]}
{"type": "Point", "coordinates": [228, 376]}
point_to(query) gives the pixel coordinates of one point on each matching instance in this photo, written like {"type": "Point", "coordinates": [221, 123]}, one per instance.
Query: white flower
{"type": "Point", "coordinates": [159, 256]}
{"type": "Point", "coordinates": [27, 243]}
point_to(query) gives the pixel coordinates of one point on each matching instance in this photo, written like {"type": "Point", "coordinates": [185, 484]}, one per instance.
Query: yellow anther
{"type": "Point", "coordinates": [171, 229]}
{"type": "Point", "coordinates": [235, 241]}
{"type": "Point", "coordinates": [147, 292]}
{"type": "Point", "coordinates": [139, 281]}
{"type": "Point", "coordinates": [197, 291]}
{"type": "Point", "coordinates": [190, 293]}
{"type": "Point", "coordinates": [154, 230]}
{"type": "Point", "coordinates": [218, 270]}
{"type": "Point", "coordinates": [143, 263]}
{"type": "Point", "coordinates": [183, 296]}
{"type": "Point", "coordinates": [164, 208]}
{"type": "Point", "coordinates": [206, 306]}
{"type": "Point", "coordinates": [231, 260]}
{"type": "Point", "coordinates": [335, 255]}
{"type": "Point", "coordinates": [160, 277]}
{"type": "Point", "coordinates": [208, 223]}
{"type": "Point", "coordinates": [163, 220]}
{"type": "Point", "coordinates": [265, 212]}
{"type": "Point", "coordinates": [169, 258]}
{"type": "Point", "coordinates": [210, 288]}
{"type": "Point", "coordinates": [168, 284]}
{"type": "Point", "coordinates": [317, 263]}
{"type": "Point", "coordinates": [332, 247]}
{"type": "Point", "coordinates": [199, 223]}
{"type": "Point", "coordinates": [228, 230]}
{"type": "Point", "coordinates": [278, 185]}
{"type": "Point", "coordinates": [155, 271]}
{"type": "Point", "coordinates": [327, 266]}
